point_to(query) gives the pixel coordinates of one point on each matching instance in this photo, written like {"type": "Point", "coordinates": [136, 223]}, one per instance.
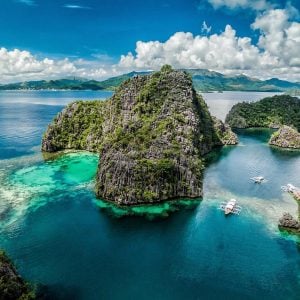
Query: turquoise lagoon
{"type": "Point", "coordinates": [76, 247]}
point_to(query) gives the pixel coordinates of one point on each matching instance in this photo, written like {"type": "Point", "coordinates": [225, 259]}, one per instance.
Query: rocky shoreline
{"type": "Point", "coordinates": [287, 222]}
{"type": "Point", "coordinates": [12, 286]}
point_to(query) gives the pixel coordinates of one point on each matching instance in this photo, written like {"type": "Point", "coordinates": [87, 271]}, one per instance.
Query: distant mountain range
{"type": "Point", "coordinates": [204, 80]}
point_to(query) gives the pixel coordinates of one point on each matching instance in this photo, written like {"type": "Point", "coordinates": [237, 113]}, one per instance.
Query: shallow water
{"type": "Point", "coordinates": [59, 236]}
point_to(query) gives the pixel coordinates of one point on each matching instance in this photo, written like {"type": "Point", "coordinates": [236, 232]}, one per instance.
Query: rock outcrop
{"type": "Point", "coordinates": [151, 136]}
{"type": "Point", "coordinates": [270, 112]}
{"type": "Point", "coordinates": [78, 126]}
{"type": "Point", "coordinates": [224, 132]}
{"type": "Point", "coordinates": [286, 137]}
{"type": "Point", "coordinates": [12, 286]}
{"type": "Point", "coordinates": [289, 223]}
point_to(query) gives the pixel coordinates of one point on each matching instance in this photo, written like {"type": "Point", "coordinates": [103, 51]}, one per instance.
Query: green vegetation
{"type": "Point", "coordinates": [268, 112]}
{"type": "Point", "coordinates": [12, 286]}
{"type": "Point", "coordinates": [78, 126]}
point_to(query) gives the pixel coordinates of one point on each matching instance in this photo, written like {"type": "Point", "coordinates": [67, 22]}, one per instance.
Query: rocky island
{"type": "Point", "coordinates": [281, 112]}
{"type": "Point", "coordinates": [286, 137]}
{"type": "Point", "coordinates": [151, 135]}
{"type": "Point", "coordinates": [287, 222]}
{"type": "Point", "coordinates": [12, 286]}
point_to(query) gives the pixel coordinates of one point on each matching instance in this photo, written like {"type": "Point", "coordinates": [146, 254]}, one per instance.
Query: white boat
{"type": "Point", "coordinates": [258, 179]}
{"type": "Point", "coordinates": [289, 188]}
{"type": "Point", "coordinates": [230, 207]}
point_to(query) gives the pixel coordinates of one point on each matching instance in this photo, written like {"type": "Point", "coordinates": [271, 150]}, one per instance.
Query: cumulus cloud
{"type": "Point", "coordinates": [277, 52]}
{"type": "Point", "coordinates": [17, 65]}
{"type": "Point", "coordinates": [183, 50]}
{"type": "Point", "coordinates": [233, 4]}
{"type": "Point", "coordinates": [279, 37]}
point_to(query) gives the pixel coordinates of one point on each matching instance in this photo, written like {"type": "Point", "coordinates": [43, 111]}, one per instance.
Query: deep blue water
{"type": "Point", "coordinates": [53, 229]}
{"type": "Point", "coordinates": [25, 115]}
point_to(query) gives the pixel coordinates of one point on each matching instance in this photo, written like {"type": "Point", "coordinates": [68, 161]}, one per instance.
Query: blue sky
{"type": "Point", "coordinates": [87, 27]}
{"type": "Point", "coordinates": [79, 36]}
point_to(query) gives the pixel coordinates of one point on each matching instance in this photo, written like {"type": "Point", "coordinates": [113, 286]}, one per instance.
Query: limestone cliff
{"type": "Point", "coordinates": [151, 135]}
{"type": "Point", "coordinates": [287, 222]}
{"type": "Point", "coordinates": [286, 137]}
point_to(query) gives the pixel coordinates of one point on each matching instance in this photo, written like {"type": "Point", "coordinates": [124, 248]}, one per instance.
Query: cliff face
{"type": "Point", "coordinates": [269, 112]}
{"type": "Point", "coordinates": [151, 135]}
{"type": "Point", "coordinates": [286, 137]}
{"type": "Point", "coordinates": [12, 286]}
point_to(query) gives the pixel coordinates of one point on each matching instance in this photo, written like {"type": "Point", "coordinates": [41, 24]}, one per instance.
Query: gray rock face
{"type": "Point", "coordinates": [151, 136]}
{"type": "Point", "coordinates": [286, 137]}
{"type": "Point", "coordinates": [227, 136]}
{"type": "Point", "coordinates": [288, 222]}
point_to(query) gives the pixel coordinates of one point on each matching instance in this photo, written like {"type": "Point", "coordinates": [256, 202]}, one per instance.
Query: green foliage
{"type": "Point", "coordinates": [166, 69]}
{"type": "Point", "coordinates": [272, 111]}
{"type": "Point", "coordinates": [79, 126]}
{"type": "Point", "coordinates": [12, 286]}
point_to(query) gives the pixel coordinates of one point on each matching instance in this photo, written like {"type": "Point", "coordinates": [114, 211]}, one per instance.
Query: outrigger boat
{"type": "Point", "coordinates": [230, 207]}
{"type": "Point", "coordinates": [258, 179]}
{"type": "Point", "coordinates": [289, 188]}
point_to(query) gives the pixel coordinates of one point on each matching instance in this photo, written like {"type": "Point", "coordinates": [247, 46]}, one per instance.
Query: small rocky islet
{"type": "Point", "coordinates": [286, 137]}
{"type": "Point", "coordinates": [279, 112]}
{"type": "Point", "coordinates": [152, 135]}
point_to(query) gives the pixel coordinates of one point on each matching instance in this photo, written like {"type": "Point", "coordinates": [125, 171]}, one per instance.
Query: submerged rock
{"type": "Point", "coordinates": [286, 137]}
{"type": "Point", "coordinates": [12, 286]}
{"type": "Point", "coordinates": [151, 136]}
{"type": "Point", "coordinates": [288, 222]}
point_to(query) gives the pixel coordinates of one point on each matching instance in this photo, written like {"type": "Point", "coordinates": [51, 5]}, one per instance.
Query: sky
{"type": "Point", "coordinates": [97, 39]}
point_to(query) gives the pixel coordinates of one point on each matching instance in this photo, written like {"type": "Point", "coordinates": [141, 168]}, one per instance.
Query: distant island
{"type": "Point", "coordinates": [203, 81]}
{"type": "Point", "coordinates": [151, 134]}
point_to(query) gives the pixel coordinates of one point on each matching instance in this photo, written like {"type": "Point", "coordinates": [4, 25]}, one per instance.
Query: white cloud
{"type": "Point", "coordinates": [233, 4]}
{"type": "Point", "coordinates": [276, 54]}
{"type": "Point", "coordinates": [279, 37]}
{"type": "Point", "coordinates": [205, 29]}
{"type": "Point", "coordinates": [17, 65]}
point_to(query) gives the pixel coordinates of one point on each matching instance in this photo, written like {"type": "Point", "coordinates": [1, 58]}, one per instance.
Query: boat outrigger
{"type": "Point", "coordinates": [258, 179]}
{"type": "Point", "coordinates": [230, 207]}
{"type": "Point", "coordinates": [295, 191]}
{"type": "Point", "coordinates": [289, 188]}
